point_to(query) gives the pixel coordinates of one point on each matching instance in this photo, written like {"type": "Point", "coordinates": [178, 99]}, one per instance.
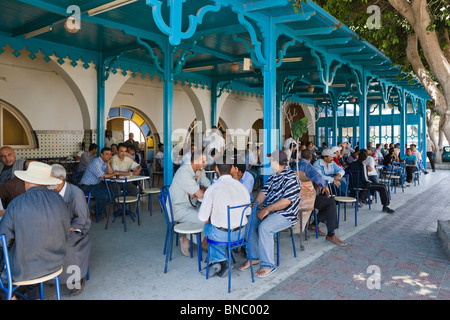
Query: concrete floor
{"type": "Point", "coordinates": [130, 265]}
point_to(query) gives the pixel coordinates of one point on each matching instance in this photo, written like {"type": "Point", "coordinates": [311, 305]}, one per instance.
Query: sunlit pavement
{"type": "Point", "coordinates": [389, 256]}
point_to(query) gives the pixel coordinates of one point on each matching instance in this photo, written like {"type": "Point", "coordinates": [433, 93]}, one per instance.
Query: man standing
{"type": "Point", "coordinates": [79, 245]}
{"type": "Point", "coordinates": [92, 181]}
{"type": "Point", "coordinates": [280, 199]}
{"type": "Point", "coordinates": [132, 142]}
{"type": "Point", "coordinates": [9, 164]}
{"type": "Point", "coordinates": [36, 225]}
{"type": "Point", "coordinates": [225, 192]}
{"type": "Point", "coordinates": [430, 151]}
{"type": "Point", "coordinates": [189, 182]}
{"type": "Point", "coordinates": [109, 140]}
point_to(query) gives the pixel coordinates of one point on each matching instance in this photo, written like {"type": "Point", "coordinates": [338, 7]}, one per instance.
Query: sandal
{"type": "Point", "coordinates": [246, 265]}
{"type": "Point", "coordinates": [266, 273]}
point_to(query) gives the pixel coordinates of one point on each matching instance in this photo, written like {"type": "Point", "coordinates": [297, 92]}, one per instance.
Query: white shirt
{"type": "Point", "coordinates": [370, 162]}
{"type": "Point", "coordinates": [225, 192]}
{"type": "Point", "coordinates": [185, 181]}
{"type": "Point", "coordinates": [287, 142]}
{"type": "Point", "coordinates": [216, 141]}
{"type": "Point", "coordinates": [109, 142]}
{"type": "Point", "coordinates": [430, 145]}
{"type": "Point", "coordinates": [125, 165]}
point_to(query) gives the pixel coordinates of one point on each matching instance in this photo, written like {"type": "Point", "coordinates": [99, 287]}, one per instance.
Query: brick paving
{"type": "Point", "coordinates": [403, 246]}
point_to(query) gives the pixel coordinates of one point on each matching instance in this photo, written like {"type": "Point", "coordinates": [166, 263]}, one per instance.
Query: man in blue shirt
{"type": "Point", "coordinates": [330, 171]}
{"type": "Point", "coordinates": [239, 173]}
{"type": "Point", "coordinates": [92, 181]}
{"type": "Point", "coordinates": [324, 204]}
{"type": "Point", "coordinates": [411, 164]}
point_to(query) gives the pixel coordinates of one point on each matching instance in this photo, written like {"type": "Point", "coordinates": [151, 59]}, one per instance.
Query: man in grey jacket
{"type": "Point", "coordinates": [77, 258]}
{"type": "Point", "coordinates": [9, 164]}
{"type": "Point", "coordinates": [36, 226]}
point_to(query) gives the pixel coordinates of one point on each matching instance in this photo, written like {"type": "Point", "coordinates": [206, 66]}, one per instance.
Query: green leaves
{"type": "Point", "coordinates": [299, 127]}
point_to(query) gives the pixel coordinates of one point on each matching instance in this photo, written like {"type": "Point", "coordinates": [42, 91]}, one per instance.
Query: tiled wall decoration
{"type": "Point", "coordinates": [56, 144]}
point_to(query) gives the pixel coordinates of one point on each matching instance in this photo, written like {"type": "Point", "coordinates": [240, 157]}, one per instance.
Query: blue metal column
{"type": "Point", "coordinates": [363, 112]}
{"type": "Point", "coordinates": [335, 125]}
{"type": "Point", "coordinates": [279, 114]}
{"type": "Point", "coordinates": [214, 120]}
{"type": "Point", "coordinates": [168, 113]}
{"type": "Point", "coordinates": [270, 88]}
{"type": "Point", "coordinates": [403, 107]}
{"type": "Point", "coordinates": [101, 118]}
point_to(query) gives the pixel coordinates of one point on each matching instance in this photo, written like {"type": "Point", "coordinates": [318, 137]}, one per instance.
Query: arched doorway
{"type": "Point", "coordinates": [123, 120]}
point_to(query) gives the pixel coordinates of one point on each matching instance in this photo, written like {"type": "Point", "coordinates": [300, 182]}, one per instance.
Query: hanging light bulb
{"type": "Point", "coordinates": [352, 99]}
{"type": "Point", "coordinates": [234, 66]}
{"type": "Point", "coordinates": [311, 88]}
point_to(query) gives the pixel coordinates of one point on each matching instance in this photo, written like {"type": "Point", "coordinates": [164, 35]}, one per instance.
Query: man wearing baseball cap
{"type": "Point", "coordinates": [330, 171]}
{"type": "Point", "coordinates": [280, 200]}
{"type": "Point", "coordinates": [37, 226]}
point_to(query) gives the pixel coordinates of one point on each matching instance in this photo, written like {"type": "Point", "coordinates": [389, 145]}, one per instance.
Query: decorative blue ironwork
{"type": "Point", "coordinates": [176, 9]}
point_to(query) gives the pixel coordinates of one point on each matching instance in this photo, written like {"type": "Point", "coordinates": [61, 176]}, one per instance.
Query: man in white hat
{"type": "Point", "coordinates": [37, 226]}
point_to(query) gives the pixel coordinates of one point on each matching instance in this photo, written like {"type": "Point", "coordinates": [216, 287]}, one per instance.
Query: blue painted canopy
{"type": "Point", "coordinates": [211, 34]}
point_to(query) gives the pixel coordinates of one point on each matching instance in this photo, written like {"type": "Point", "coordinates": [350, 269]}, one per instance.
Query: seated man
{"type": "Point", "coordinates": [330, 171]}
{"type": "Point", "coordinates": [9, 164]}
{"type": "Point", "coordinates": [160, 155]}
{"type": "Point", "coordinates": [123, 165]}
{"type": "Point", "coordinates": [365, 183]}
{"type": "Point", "coordinates": [87, 157]}
{"type": "Point", "coordinates": [411, 164]}
{"type": "Point", "coordinates": [239, 173]}
{"type": "Point", "coordinates": [419, 157]}
{"type": "Point", "coordinates": [280, 199]}
{"type": "Point", "coordinates": [189, 181]}
{"type": "Point", "coordinates": [324, 204]}
{"type": "Point", "coordinates": [36, 225]}
{"type": "Point", "coordinates": [225, 192]}
{"type": "Point", "coordinates": [92, 180]}
{"type": "Point", "coordinates": [79, 245]}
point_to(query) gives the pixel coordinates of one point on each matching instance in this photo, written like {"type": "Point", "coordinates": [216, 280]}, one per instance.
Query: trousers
{"type": "Point", "coordinates": [327, 212]}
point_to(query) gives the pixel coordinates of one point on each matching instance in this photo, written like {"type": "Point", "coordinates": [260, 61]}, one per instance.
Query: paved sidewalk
{"type": "Point", "coordinates": [403, 246]}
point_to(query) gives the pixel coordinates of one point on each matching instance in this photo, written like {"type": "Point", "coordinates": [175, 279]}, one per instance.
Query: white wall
{"type": "Point", "coordinates": [39, 92]}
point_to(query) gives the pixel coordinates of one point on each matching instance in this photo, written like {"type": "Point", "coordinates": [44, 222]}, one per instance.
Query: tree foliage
{"type": "Point", "coordinates": [391, 36]}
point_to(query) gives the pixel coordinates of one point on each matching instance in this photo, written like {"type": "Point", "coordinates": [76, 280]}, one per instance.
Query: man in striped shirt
{"type": "Point", "coordinates": [281, 195]}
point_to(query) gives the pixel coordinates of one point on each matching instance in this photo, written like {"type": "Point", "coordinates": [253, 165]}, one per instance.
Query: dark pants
{"type": "Point", "coordinates": [100, 193]}
{"type": "Point", "coordinates": [33, 292]}
{"type": "Point", "coordinates": [381, 189]}
{"type": "Point", "coordinates": [409, 173]}
{"type": "Point", "coordinates": [430, 157]}
{"type": "Point", "coordinates": [327, 212]}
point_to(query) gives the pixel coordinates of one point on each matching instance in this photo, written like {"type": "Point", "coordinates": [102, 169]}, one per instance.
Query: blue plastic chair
{"type": "Point", "coordinates": [150, 190]}
{"type": "Point", "coordinates": [12, 286]}
{"type": "Point", "coordinates": [344, 199]}
{"type": "Point", "coordinates": [399, 174]}
{"type": "Point", "coordinates": [117, 200]}
{"type": "Point", "coordinates": [243, 238]}
{"type": "Point", "coordinates": [187, 228]}
{"type": "Point", "coordinates": [277, 236]}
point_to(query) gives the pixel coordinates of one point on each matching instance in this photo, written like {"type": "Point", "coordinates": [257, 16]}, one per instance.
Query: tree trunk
{"type": "Point", "coordinates": [431, 131]}
{"type": "Point", "coordinates": [419, 18]}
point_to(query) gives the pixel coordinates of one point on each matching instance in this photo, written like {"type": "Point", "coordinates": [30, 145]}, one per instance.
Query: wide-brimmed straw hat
{"type": "Point", "coordinates": [37, 173]}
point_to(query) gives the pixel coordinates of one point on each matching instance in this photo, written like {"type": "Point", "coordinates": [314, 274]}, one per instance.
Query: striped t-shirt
{"type": "Point", "coordinates": [284, 185]}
